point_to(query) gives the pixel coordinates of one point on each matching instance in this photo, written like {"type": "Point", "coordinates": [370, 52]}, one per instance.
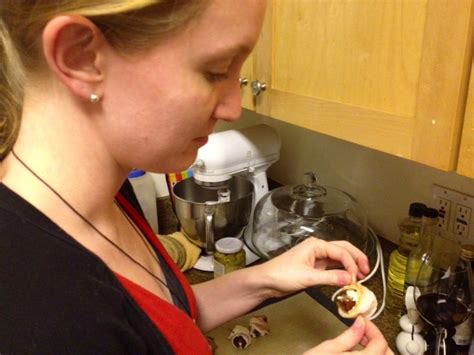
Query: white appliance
{"type": "Point", "coordinates": [248, 152]}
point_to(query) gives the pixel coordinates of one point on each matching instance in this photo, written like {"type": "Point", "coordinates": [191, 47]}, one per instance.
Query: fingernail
{"type": "Point", "coordinates": [344, 279]}
{"type": "Point", "coordinates": [359, 323]}
{"type": "Point", "coordinates": [364, 341]}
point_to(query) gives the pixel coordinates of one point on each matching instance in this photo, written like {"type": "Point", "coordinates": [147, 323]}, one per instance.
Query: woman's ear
{"type": "Point", "coordinates": [73, 48]}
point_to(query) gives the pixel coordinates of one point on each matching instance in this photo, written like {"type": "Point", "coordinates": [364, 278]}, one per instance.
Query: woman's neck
{"type": "Point", "coordinates": [60, 143]}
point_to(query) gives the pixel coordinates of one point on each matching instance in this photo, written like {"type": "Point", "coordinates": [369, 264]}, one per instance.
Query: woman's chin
{"type": "Point", "coordinates": [183, 162]}
{"type": "Point", "coordinates": [172, 163]}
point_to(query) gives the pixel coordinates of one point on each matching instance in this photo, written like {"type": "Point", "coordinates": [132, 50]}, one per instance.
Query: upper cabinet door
{"type": "Point", "coordinates": [387, 74]}
{"type": "Point", "coordinates": [247, 74]}
{"type": "Point", "coordinates": [466, 153]}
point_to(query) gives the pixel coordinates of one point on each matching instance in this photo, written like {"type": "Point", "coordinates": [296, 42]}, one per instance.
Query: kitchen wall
{"type": "Point", "coordinates": [385, 185]}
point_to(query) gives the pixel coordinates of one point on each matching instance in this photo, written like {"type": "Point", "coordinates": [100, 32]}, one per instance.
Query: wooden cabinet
{"type": "Point", "coordinates": [386, 74]}
{"type": "Point", "coordinates": [466, 153]}
{"type": "Point", "coordinates": [247, 72]}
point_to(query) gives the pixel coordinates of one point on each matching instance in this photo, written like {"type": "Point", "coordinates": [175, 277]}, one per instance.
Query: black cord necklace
{"type": "Point", "coordinates": [110, 241]}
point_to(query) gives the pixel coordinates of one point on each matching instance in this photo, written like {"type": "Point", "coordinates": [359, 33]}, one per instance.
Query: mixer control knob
{"type": "Point", "coordinates": [258, 87]}
{"type": "Point", "coordinates": [243, 82]}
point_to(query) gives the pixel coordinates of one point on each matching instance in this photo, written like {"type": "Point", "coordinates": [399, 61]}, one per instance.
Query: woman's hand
{"type": "Point", "coordinates": [362, 332]}
{"type": "Point", "coordinates": [303, 266]}
{"type": "Point", "coordinates": [306, 264]}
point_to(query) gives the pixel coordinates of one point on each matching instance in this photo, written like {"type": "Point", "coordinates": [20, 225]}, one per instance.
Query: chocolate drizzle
{"type": "Point", "coordinates": [345, 301]}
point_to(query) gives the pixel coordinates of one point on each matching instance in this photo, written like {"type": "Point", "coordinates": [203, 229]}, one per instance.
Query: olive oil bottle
{"type": "Point", "coordinates": [409, 237]}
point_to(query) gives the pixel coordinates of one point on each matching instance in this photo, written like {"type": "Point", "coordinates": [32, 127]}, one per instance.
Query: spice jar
{"type": "Point", "coordinates": [229, 256]}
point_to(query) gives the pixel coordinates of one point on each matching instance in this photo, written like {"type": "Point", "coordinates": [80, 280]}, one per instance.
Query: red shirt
{"type": "Point", "coordinates": [179, 328]}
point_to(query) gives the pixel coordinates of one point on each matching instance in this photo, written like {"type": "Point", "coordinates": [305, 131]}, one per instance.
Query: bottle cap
{"type": "Point", "coordinates": [229, 245]}
{"type": "Point", "coordinates": [416, 209]}
{"type": "Point", "coordinates": [430, 213]}
{"type": "Point", "coordinates": [135, 173]}
{"type": "Point", "coordinates": [467, 251]}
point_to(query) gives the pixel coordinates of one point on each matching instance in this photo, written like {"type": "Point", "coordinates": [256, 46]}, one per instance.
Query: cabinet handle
{"type": "Point", "coordinates": [258, 87]}
{"type": "Point", "coordinates": [243, 82]}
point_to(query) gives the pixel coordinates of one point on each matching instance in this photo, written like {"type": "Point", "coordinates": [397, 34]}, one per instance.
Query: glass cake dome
{"type": "Point", "coordinates": [287, 215]}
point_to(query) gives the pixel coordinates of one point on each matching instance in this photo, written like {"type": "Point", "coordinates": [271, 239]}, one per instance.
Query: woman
{"type": "Point", "coordinates": [101, 87]}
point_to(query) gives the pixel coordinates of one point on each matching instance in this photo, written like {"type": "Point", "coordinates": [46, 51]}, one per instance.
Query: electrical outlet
{"type": "Point", "coordinates": [462, 220]}
{"type": "Point", "coordinates": [443, 206]}
{"type": "Point", "coordinates": [455, 212]}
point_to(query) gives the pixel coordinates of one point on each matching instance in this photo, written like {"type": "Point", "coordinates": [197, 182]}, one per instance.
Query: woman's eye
{"type": "Point", "coordinates": [216, 77]}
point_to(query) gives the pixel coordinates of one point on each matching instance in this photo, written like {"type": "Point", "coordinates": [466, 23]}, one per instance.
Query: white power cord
{"type": "Point", "coordinates": [378, 264]}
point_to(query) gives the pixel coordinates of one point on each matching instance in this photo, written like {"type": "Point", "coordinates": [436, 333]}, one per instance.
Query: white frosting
{"type": "Point", "coordinates": [366, 302]}
{"type": "Point", "coordinates": [353, 294]}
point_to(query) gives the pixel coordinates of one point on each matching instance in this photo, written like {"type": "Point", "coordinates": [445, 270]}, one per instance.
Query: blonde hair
{"type": "Point", "coordinates": [128, 25]}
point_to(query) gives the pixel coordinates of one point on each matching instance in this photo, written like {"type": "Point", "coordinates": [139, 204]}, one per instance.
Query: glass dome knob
{"type": "Point", "coordinates": [310, 188]}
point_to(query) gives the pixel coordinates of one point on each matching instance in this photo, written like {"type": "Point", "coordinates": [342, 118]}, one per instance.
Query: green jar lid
{"type": "Point", "coordinates": [229, 245]}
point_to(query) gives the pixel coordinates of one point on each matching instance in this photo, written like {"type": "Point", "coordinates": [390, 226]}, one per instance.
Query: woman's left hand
{"type": "Point", "coordinates": [306, 264]}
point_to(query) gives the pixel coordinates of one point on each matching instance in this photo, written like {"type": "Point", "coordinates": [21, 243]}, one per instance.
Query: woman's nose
{"type": "Point", "coordinates": [229, 106]}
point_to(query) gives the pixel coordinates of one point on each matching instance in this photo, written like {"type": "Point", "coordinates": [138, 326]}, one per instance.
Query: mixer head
{"type": "Point", "coordinates": [209, 174]}
{"type": "Point", "coordinates": [250, 150]}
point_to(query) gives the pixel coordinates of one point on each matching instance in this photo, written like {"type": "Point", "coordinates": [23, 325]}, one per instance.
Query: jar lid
{"type": "Point", "coordinates": [467, 251]}
{"type": "Point", "coordinates": [416, 209]}
{"type": "Point", "coordinates": [229, 245]}
{"type": "Point", "coordinates": [430, 213]}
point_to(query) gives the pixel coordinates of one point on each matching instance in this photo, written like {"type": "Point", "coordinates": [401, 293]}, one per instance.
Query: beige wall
{"type": "Point", "coordinates": [385, 185]}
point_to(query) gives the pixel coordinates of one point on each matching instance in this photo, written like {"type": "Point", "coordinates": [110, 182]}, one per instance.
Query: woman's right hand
{"type": "Point", "coordinates": [363, 332]}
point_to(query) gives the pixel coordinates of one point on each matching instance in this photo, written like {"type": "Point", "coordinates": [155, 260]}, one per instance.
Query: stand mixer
{"type": "Point", "coordinates": [229, 179]}
{"type": "Point", "coordinates": [249, 151]}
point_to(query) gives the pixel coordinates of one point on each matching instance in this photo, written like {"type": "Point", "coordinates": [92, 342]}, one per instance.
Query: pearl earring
{"type": "Point", "coordinates": [94, 98]}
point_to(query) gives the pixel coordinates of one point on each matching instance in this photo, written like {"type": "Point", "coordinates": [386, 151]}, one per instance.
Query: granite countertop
{"type": "Point", "coordinates": [387, 322]}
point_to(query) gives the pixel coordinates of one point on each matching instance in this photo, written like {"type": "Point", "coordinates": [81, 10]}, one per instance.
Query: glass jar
{"type": "Point", "coordinates": [229, 256]}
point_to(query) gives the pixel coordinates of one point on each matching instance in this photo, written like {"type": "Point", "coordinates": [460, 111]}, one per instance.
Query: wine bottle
{"type": "Point", "coordinates": [463, 335]}
{"type": "Point", "coordinates": [429, 226]}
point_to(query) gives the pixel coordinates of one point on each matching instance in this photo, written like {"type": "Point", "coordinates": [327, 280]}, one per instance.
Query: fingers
{"type": "Point", "coordinates": [332, 251]}
{"type": "Point", "coordinates": [360, 258]}
{"type": "Point", "coordinates": [376, 343]}
{"type": "Point", "coordinates": [362, 331]}
{"type": "Point", "coordinates": [310, 260]}
{"type": "Point", "coordinates": [332, 277]}
{"type": "Point", "coordinates": [344, 342]}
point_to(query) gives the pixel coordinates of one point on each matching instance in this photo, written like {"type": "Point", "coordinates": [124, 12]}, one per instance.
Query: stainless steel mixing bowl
{"type": "Point", "coordinates": [207, 214]}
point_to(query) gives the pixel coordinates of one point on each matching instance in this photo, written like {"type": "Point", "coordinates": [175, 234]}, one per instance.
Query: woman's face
{"type": "Point", "coordinates": [160, 106]}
